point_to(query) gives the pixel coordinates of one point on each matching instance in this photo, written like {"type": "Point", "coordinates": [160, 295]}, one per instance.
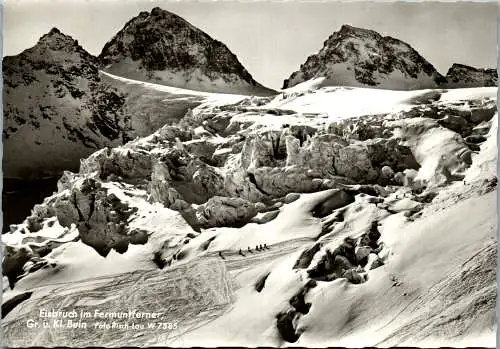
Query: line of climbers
{"type": "Point", "coordinates": [257, 248]}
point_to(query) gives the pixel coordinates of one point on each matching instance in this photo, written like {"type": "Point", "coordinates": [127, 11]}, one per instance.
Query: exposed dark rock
{"type": "Point", "coordinates": [456, 124]}
{"type": "Point", "coordinates": [291, 197]}
{"type": "Point", "coordinates": [299, 303]}
{"type": "Point", "coordinates": [13, 262]}
{"type": "Point", "coordinates": [261, 282]}
{"type": "Point", "coordinates": [462, 76]}
{"type": "Point", "coordinates": [353, 277]}
{"type": "Point", "coordinates": [483, 113]}
{"type": "Point", "coordinates": [221, 211]}
{"type": "Point", "coordinates": [362, 255]}
{"type": "Point", "coordinates": [338, 199]}
{"type": "Point", "coordinates": [284, 323]}
{"type": "Point", "coordinates": [371, 237]}
{"type": "Point", "coordinates": [306, 257]}
{"type": "Point", "coordinates": [333, 264]}
{"type": "Point", "coordinates": [9, 305]}
{"type": "Point", "coordinates": [377, 263]}
{"type": "Point", "coordinates": [158, 260]}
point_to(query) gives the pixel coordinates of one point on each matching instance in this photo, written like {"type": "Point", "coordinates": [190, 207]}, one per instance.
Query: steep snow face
{"type": "Point", "coordinates": [163, 48]}
{"type": "Point", "coordinates": [279, 225]}
{"type": "Point", "coordinates": [441, 265]}
{"type": "Point", "coordinates": [360, 57]}
{"type": "Point", "coordinates": [462, 76]}
{"type": "Point", "coordinates": [56, 108]}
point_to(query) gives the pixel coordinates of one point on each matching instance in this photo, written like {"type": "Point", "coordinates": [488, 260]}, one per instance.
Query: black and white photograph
{"type": "Point", "coordinates": [249, 173]}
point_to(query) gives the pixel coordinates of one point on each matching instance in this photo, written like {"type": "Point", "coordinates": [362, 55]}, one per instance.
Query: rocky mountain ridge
{"type": "Point", "coordinates": [461, 75]}
{"type": "Point", "coordinates": [163, 48]}
{"type": "Point", "coordinates": [56, 108]}
{"type": "Point", "coordinates": [57, 79]}
{"type": "Point", "coordinates": [59, 107]}
{"type": "Point", "coordinates": [361, 57]}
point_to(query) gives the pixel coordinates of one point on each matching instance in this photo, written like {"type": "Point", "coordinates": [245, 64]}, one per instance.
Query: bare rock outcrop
{"type": "Point", "coordinates": [221, 211]}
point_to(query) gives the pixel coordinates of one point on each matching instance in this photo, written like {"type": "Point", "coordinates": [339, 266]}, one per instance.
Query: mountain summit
{"type": "Point", "coordinates": [56, 108]}
{"type": "Point", "coordinates": [163, 48]}
{"type": "Point", "coordinates": [461, 76]}
{"type": "Point", "coordinates": [53, 50]}
{"type": "Point", "coordinates": [361, 57]}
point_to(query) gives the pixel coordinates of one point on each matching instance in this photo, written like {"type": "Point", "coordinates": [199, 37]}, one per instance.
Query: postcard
{"type": "Point", "coordinates": [249, 174]}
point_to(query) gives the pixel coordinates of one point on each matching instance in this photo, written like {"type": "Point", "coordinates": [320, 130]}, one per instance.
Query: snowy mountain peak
{"type": "Point", "coordinates": [163, 48]}
{"type": "Point", "coordinates": [362, 57]}
{"type": "Point", "coordinates": [461, 76]}
{"type": "Point", "coordinates": [54, 53]}
{"type": "Point", "coordinates": [56, 108]}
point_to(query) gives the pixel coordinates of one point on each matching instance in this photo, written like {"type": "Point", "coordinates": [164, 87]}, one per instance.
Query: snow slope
{"type": "Point", "coordinates": [412, 301]}
{"type": "Point", "coordinates": [415, 299]}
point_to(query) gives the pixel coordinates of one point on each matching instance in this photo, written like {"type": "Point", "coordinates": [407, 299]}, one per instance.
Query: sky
{"type": "Point", "coordinates": [272, 39]}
